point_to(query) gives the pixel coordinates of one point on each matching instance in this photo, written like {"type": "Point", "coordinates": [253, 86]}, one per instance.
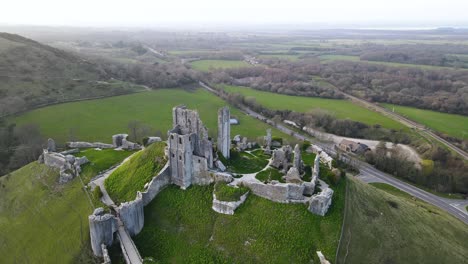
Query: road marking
{"type": "Point", "coordinates": [454, 205]}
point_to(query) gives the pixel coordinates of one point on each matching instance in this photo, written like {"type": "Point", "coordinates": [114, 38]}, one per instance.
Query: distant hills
{"type": "Point", "coordinates": [33, 74]}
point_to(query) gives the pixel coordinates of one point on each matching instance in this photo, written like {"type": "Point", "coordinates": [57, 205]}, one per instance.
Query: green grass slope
{"type": "Point", "coordinates": [450, 124]}
{"type": "Point", "coordinates": [33, 74]}
{"type": "Point", "coordinates": [97, 120]}
{"type": "Point", "coordinates": [123, 184]}
{"type": "Point", "coordinates": [341, 108]}
{"type": "Point", "coordinates": [385, 226]}
{"type": "Point", "coordinates": [181, 227]}
{"type": "Point", "coordinates": [44, 222]}
{"type": "Point", "coordinates": [207, 65]}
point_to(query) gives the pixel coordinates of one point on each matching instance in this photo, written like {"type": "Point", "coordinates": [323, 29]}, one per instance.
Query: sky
{"type": "Point", "coordinates": [146, 13]}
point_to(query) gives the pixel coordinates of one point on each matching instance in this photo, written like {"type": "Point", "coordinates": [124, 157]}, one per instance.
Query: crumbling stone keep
{"type": "Point", "coordinates": [224, 131]}
{"type": "Point", "coordinates": [268, 139]}
{"type": "Point", "coordinates": [188, 143]}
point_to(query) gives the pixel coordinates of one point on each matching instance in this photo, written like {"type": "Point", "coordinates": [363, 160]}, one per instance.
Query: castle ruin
{"type": "Point", "coordinates": [224, 131]}
{"type": "Point", "coordinates": [190, 150]}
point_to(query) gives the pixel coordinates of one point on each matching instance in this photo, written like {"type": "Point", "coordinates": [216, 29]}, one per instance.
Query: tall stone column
{"type": "Point", "coordinates": [224, 131]}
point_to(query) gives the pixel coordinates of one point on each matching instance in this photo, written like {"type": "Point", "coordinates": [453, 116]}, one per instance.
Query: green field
{"type": "Point", "coordinates": [342, 109]}
{"type": "Point", "coordinates": [384, 225]}
{"type": "Point", "coordinates": [181, 227]}
{"type": "Point", "coordinates": [98, 120]}
{"type": "Point", "coordinates": [450, 124]}
{"type": "Point", "coordinates": [42, 221]}
{"type": "Point", "coordinates": [207, 65]}
{"type": "Point", "coordinates": [326, 58]}
{"type": "Point", "coordinates": [290, 57]}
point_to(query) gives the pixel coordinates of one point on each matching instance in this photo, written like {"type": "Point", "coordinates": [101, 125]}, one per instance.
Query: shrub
{"type": "Point", "coordinates": [269, 174]}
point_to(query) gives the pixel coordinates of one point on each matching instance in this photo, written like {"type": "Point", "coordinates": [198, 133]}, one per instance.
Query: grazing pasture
{"type": "Point", "coordinates": [342, 109]}
{"type": "Point", "coordinates": [450, 124]}
{"type": "Point", "coordinates": [207, 65]}
{"type": "Point", "coordinates": [98, 120]}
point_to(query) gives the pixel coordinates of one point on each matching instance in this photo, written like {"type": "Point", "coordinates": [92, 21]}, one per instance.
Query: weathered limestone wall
{"type": "Point", "coordinates": [180, 159]}
{"type": "Point", "coordinates": [132, 215]}
{"type": "Point", "coordinates": [53, 159]}
{"type": "Point", "coordinates": [224, 131]}
{"type": "Point", "coordinates": [228, 208]}
{"type": "Point", "coordinates": [101, 227]}
{"type": "Point", "coordinates": [279, 192]}
{"type": "Point", "coordinates": [320, 203]}
{"type": "Point", "coordinates": [158, 183]}
{"type": "Point", "coordinates": [201, 175]}
{"type": "Point", "coordinates": [81, 144]}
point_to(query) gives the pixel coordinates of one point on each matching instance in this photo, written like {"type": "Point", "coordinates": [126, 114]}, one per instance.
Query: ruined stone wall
{"type": "Point", "coordinates": [228, 208]}
{"type": "Point", "coordinates": [280, 192]}
{"type": "Point", "coordinates": [180, 158]}
{"type": "Point", "coordinates": [158, 183]}
{"type": "Point", "coordinates": [224, 131]}
{"type": "Point", "coordinates": [101, 227]}
{"type": "Point", "coordinates": [53, 159]}
{"type": "Point", "coordinates": [201, 175]}
{"type": "Point", "coordinates": [320, 202]}
{"type": "Point", "coordinates": [81, 144]}
{"type": "Point", "coordinates": [132, 215]}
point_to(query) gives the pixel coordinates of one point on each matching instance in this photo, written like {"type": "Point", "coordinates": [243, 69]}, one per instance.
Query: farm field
{"type": "Point", "coordinates": [98, 120]}
{"type": "Point", "coordinates": [450, 124]}
{"type": "Point", "coordinates": [326, 58]}
{"type": "Point", "coordinates": [181, 227]}
{"type": "Point", "coordinates": [206, 65]}
{"type": "Point", "coordinates": [60, 232]}
{"type": "Point", "coordinates": [341, 108]}
{"type": "Point", "coordinates": [384, 225]}
{"type": "Point", "coordinates": [290, 57]}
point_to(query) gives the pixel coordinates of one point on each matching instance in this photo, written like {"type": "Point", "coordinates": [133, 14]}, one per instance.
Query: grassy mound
{"type": "Point", "coordinates": [243, 162]}
{"type": "Point", "coordinates": [123, 184]}
{"type": "Point", "coordinates": [100, 160]}
{"type": "Point", "coordinates": [386, 226]}
{"type": "Point", "coordinates": [181, 227]}
{"type": "Point", "coordinates": [42, 221]}
{"type": "Point", "coordinates": [270, 174]}
{"type": "Point", "coordinates": [227, 193]}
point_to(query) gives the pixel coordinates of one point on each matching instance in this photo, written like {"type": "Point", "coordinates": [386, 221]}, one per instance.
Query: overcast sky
{"type": "Point", "coordinates": [418, 13]}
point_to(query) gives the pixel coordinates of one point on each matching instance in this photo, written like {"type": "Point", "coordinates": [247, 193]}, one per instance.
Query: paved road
{"type": "Point", "coordinates": [452, 206]}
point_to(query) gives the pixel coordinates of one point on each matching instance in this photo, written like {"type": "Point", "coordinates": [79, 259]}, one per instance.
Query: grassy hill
{"type": "Point", "coordinates": [123, 184]}
{"type": "Point", "coordinates": [181, 227]}
{"type": "Point", "coordinates": [387, 226]}
{"type": "Point", "coordinates": [42, 221]}
{"type": "Point", "coordinates": [97, 120]}
{"type": "Point", "coordinates": [33, 74]}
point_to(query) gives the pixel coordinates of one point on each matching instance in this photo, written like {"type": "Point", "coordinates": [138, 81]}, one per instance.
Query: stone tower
{"type": "Point", "coordinates": [188, 141]}
{"type": "Point", "coordinates": [297, 163]}
{"type": "Point", "coordinates": [224, 131]}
